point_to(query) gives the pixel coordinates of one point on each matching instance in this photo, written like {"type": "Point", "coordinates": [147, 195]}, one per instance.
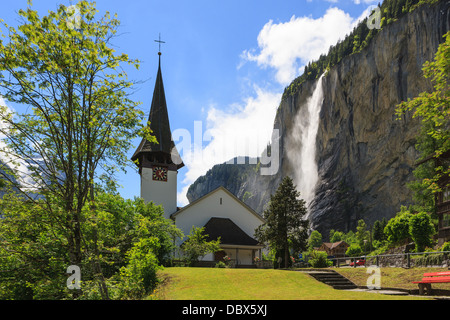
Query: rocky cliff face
{"type": "Point", "coordinates": [365, 155]}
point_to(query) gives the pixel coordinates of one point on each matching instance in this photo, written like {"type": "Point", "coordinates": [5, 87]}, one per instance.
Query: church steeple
{"type": "Point", "coordinates": [159, 162]}
{"type": "Point", "coordinates": [164, 152]}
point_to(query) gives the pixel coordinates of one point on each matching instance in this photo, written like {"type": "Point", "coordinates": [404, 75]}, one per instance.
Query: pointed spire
{"type": "Point", "coordinates": [161, 152]}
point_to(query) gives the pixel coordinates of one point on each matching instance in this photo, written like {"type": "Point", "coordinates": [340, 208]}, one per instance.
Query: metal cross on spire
{"type": "Point", "coordinates": [159, 41]}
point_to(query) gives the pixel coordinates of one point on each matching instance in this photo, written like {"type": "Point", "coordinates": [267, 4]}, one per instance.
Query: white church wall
{"type": "Point", "coordinates": [217, 204]}
{"type": "Point", "coordinates": [160, 192]}
{"type": "Point", "coordinates": [208, 257]}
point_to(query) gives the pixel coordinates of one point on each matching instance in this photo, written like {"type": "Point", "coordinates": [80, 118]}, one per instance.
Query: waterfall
{"type": "Point", "coordinates": [301, 144]}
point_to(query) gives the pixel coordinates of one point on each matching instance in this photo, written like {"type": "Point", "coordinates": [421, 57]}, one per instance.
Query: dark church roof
{"type": "Point", "coordinates": [228, 232]}
{"type": "Point", "coordinates": [159, 124]}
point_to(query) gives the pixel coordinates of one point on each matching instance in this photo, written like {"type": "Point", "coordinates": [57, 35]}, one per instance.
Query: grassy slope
{"type": "Point", "coordinates": [393, 277]}
{"type": "Point", "coordinates": [250, 284]}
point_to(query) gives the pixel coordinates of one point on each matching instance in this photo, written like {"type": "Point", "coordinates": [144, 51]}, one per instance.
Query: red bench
{"type": "Point", "coordinates": [433, 277]}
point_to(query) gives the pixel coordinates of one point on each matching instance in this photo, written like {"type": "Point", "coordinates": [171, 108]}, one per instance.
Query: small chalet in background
{"type": "Point", "coordinates": [336, 249]}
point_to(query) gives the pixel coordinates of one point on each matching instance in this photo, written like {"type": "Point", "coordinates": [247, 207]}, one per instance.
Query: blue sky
{"type": "Point", "coordinates": [225, 65]}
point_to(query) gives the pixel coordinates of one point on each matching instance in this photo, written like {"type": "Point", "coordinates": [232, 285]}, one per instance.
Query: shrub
{"type": "Point", "coordinates": [421, 229]}
{"type": "Point", "coordinates": [221, 264]}
{"type": "Point", "coordinates": [397, 228]}
{"type": "Point", "coordinates": [354, 250]}
{"type": "Point", "coordinates": [318, 259]}
{"type": "Point", "coordinates": [197, 246]}
{"type": "Point", "coordinates": [138, 278]}
{"type": "Point", "coordinates": [446, 246]}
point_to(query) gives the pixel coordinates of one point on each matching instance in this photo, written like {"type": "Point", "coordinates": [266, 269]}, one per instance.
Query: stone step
{"type": "Point", "coordinates": [333, 279]}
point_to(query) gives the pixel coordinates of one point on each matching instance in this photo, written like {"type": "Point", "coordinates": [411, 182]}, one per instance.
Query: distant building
{"type": "Point", "coordinates": [336, 249]}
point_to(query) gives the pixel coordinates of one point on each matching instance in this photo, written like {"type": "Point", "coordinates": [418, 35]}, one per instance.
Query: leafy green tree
{"type": "Point", "coordinates": [285, 222]}
{"type": "Point", "coordinates": [133, 240]}
{"type": "Point", "coordinates": [354, 250]}
{"type": "Point", "coordinates": [197, 246]}
{"type": "Point", "coordinates": [79, 116]}
{"type": "Point", "coordinates": [363, 235]}
{"type": "Point", "coordinates": [349, 237]}
{"type": "Point", "coordinates": [33, 254]}
{"type": "Point", "coordinates": [336, 236]}
{"type": "Point", "coordinates": [433, 110]}
{"type": "Point", "coordinates": [421, 229]}
{"type": "Point", "coordinates": [397, 228]}
{"type": "Point", "coordinates": [378, 230]}
{"type": "Point", "coordinates": [314, 240]}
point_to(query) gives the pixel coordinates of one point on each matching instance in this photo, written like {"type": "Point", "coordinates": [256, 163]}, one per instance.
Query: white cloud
{"type": "Point", "coordinates": [239, 130]}
{"type": "Point", "coordinates": [8, 157]}
{"type": "Point", "coordinates": [288, 47]}
{"type": "Point", "coordinates": [244, 129]}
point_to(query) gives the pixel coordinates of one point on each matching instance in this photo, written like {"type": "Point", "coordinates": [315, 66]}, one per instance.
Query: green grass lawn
{"type": "Point", "coordinates": [251, 284]}
{"type": "Point", "coordinates": [393, 277]}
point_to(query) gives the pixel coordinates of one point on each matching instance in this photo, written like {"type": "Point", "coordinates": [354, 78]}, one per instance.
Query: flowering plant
{"type": "Point", "coordinates": [226, 258]}
{"type": "Point", "coordinates": [256, 259]}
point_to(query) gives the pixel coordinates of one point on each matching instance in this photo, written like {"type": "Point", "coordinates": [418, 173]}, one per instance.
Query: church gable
{"type": "Point", "coordinates": [219, 203]}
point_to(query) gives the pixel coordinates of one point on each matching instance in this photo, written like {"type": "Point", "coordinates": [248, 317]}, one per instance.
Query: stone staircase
{"type": "Point", "coordinates": [332, 278]}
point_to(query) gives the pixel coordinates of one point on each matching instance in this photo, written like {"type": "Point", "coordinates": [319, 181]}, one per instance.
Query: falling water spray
{"type": "Point", "coordinates": [301, 146]}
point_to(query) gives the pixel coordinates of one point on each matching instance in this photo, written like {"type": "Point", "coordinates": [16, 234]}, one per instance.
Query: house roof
{"type": "Point", "coordinates": [180, 211]}
{"type": "Point", "coordinates": [228, 232]}
{"type": "Point", "coordinates": [332, 245]}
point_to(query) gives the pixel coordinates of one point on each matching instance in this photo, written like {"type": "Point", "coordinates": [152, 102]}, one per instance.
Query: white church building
{"type": "Point", "coordinates": [220, 212]}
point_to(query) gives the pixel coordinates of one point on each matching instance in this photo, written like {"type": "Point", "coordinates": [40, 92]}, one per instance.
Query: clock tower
{"type": "Point", "coordinates": [159, 162]}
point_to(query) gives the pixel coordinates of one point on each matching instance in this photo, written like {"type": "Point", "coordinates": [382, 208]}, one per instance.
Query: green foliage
{"type": "Point", "coordinates": [421, 229]}
{"type": "Point", "coordinates": [314, 240]}
{"type": "Point", "coordinates": [350, 237]}
{"type": "Point", "coordinates": [378, 230]}
{"type": "Point", "coordinates": [286, 226]}
{"type": "Point", "coordinates": [127, 239]}
{"type": "Point", "coordinates": [397, 228]}
{"type": "Point", "coordinates": [354, 250]}
{"type": "Point", "coordinates": [197, 246]}
{"type": "Point", "coordinates": [318, 259]}
{"type": "Point", "coordinates": [363, 236]}
{"type": "Point", "coordinates": [138, 278]}
{"type": "Point", "coordinates": [446, 246]}
{"type": "Point", "coordinates": [78, 92]}
{"type": "Point", "coordinates": [336, 236]}
{"type": "Point", "coordinates": [433, 109]}
{"type": "Point", "coordinates": [220, 264]}
{"type": "Point", "coordinates": [33, 255]}
{"type": "Point", "coordinates": [79, 117]}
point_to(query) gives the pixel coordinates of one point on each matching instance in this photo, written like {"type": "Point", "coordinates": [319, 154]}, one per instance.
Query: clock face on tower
{"type": "Point", "coordinates": [160, 173]}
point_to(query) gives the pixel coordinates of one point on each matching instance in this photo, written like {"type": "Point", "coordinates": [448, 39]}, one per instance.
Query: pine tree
{"type": "Point", "coordinates": [286, 226]}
